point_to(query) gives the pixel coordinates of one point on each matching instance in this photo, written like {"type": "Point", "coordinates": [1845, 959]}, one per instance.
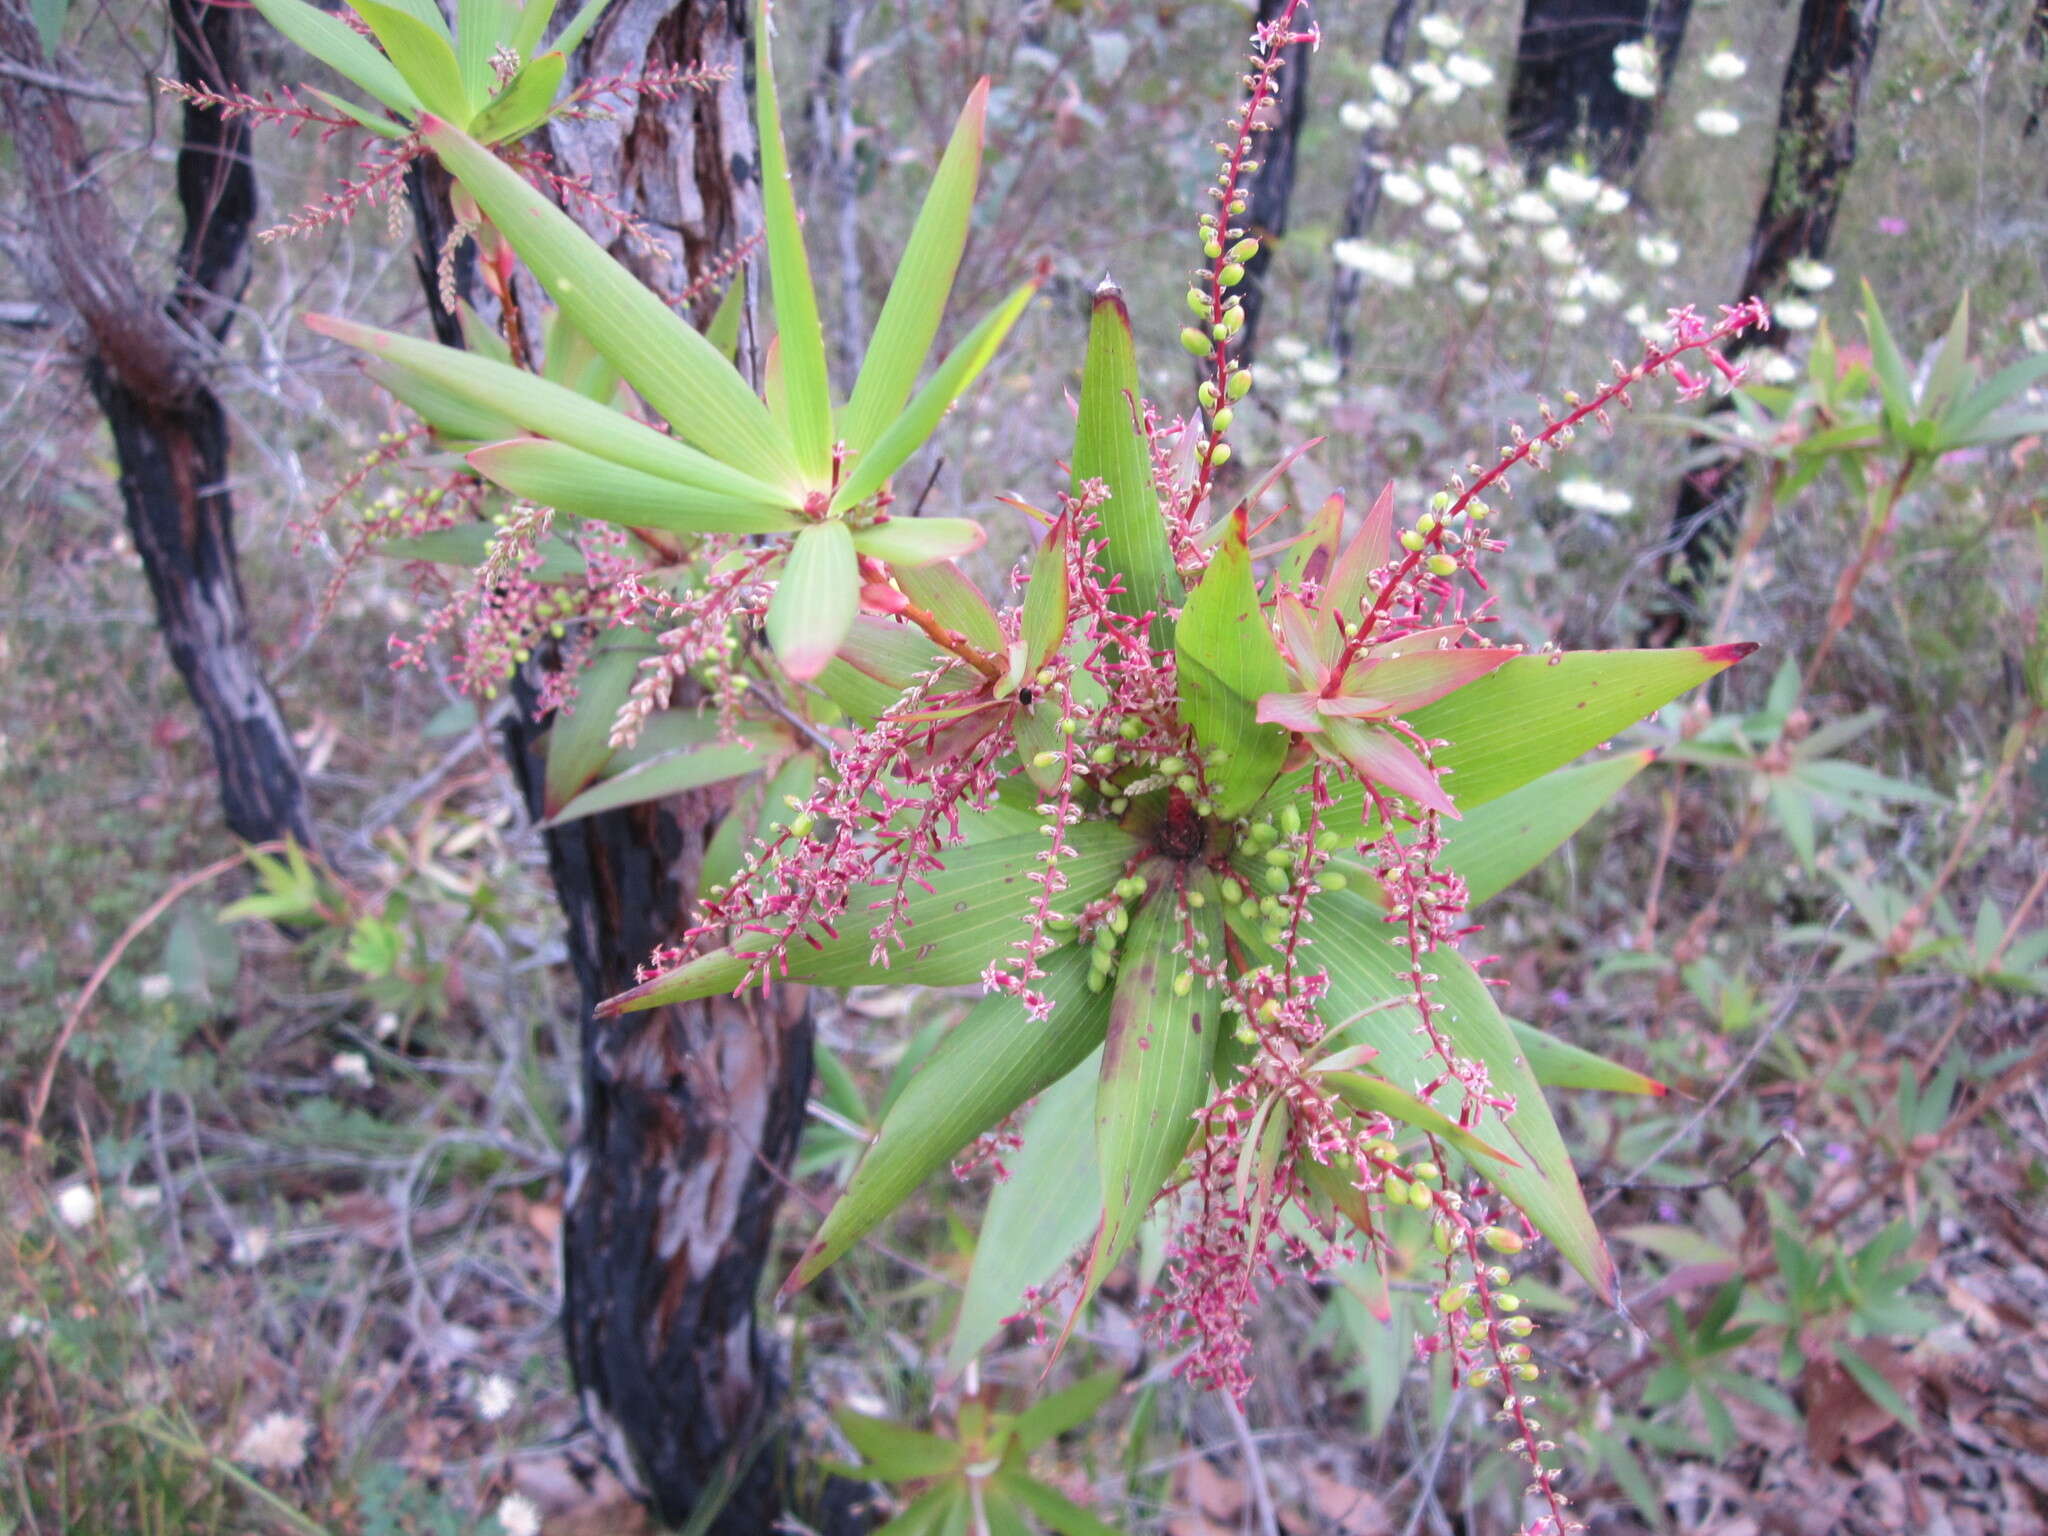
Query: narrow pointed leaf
{"type": "Point", "coordinates": [1229, 661]}
{"type": "Point", "coordinates": [1110, 446]}
{"type": "Point", "coordinates": [553, 411]}
{"type": "Point", "coordinates": [1560, 1064]}
{"type": "Point", "coordinates": [422, 56]}
{"type": "Point", "coordinates": [1044, 624]}
{"type": "Point", "coordinates": [1291, 711]}
{"type": "Point", "coordinates": [570, 480]}
{"type": "Point", "coordinates": [376, 122]}
{"type": "Point", "coordinates": [1369, 549]}
{"type": "Point", "coordinates": [1951, 368]}
{"type": "Point", "coordinates": [479, 24]}
{"type": "Point", "coordinates": [1053, 1507]}
{"type": "Point", "coordinates": [1499, 842]}
{"type": "Point", "coordinates": [1407, 683]}
{"type": "Point", "coordinates": [579, 736]}
{"type": "Point", "coordinates": [1311, 639]}
{"type": "Point", "coordinates": [955, 602]}
{"type": "Point", "coordinates": [969, 917]}
{"type": "Point", "coordinates": [913, 428]}
{"type": "Point", "coordinates": [534, 17]}
{"type": "Point", "coordinates": [896, 1453]}
{"type": "Point", "coordinates": [455, 418]}
{"type": "Point", "coordinates": [815, 600]}
{"type": "Point", "coordinates": [1037, 1217]}
{"type": "Point", "coordinates": [808, 390]}
{"type": "Point", "coordinates": [876, 663]}
{"type": "Point", "coordinates": [672, 773]}
{"type": "Point", "coordinates": [994, 1060]}
{"type": "Point", "coordinates": [1894, 383]}
{"type": "Point", "coordinates": [522, 105]}
{"type": "Point", "coordinates": [914, 541]}
{"type": "Point", "coordinates": [1375, 1095]}
{"type": "Point", "coordinates": [676, 371]}
{"type": "Point", "coordinates": [572, 35]}
{"type": "Point", "coordinates": [923, 282]}
{"type": "Point", "coordinates": [1155, 1073]}
{"type": "Point", "coordinates": [342, 49]}
{"type": "Point", "coordinates": [1311, 557]}
{"type": "Point", "coordinates": [1978, 405]}
{"type": "Point", "coordinates": [1382, 758]}
{"type": "Point", "coordinates": [1050, 1417]}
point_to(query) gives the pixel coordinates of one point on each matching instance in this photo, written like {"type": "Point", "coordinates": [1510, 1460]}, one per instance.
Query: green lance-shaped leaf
{"type": "Point", "coordinates": [676, 371]}
{"type": "Point", "coordinates": [467, 544]}
{"type": "Point", "coordinates": [896, 1453]}
{"type": "Point", "coordinates": [878, 661]}
{"type": "Point", "coordinates": [455, 418]}
{"type": "Point", "coordinates": [553, 411]}
{"type": "Point", "coordinates": [914, 541]}
{"type": "Point", "coordinates": [674, 773]}
{"type": "Point", "coordinates": [1228, 661]}
{"type": "Point", "coordinates": [1044, 624]}
{"type": "Point", "coordinates": [422, 56]}
{"type": "Point", "coordinates": [524, 104]}
{"type": "Point", "coordinates": [1070, 1408]}
{"type": "Point", "coordinates": [1375, 1095]}
{"type": "Point", "coordinates": [479, 25]}
{"type": "Point", "coordinates": [341, 49]}
{"type": "Point", "coordinates": [1155, 1070]}
{"type": "Point", "coordinates": [1110, 446]}
{"type": "Point", "coordinates": [912, 429]}
{"type": "Point", "coordinates": [922, 284]}
{"type": "Point", "coordinates": [971, 915]}
{"type": "Point", "coordinates": [946, 593]}
{"type": "Point", "coordinates": [532, 27]}
{"type": "Point", "coordinates": [815, 600]}
{"type": "Point", "coordinates": [580, 24]}
{"type": "Point", "coordinates": [807, 388]}
{"type": "Point", "coordinates": [994, 1060]}
{"type": "Point", "coordinates": [1501, 841]}
{"type": "Point", "coordinates": [384, 127]}
{"type": "Point", "coordinates": [1038, 1216]}
{"type": "Point", "coordinates": [1894, 382]}
{"type": "Point", "coordinates": [570, 480]}
{"type": "Point", "coordinates": [1367, 972]}
{"type": "Point", "coordinates": [1051, 1506]}
{"type": "Point", "coordinates": [1560, 1064]}
{"type": "Point", "coordinates": [579, 736]}
{"type": "Point", "coordinates": [1534, 714]}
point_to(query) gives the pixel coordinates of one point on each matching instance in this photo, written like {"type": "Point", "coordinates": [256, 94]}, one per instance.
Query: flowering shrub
{"type": "Point", "coordinates": [1204, 804]}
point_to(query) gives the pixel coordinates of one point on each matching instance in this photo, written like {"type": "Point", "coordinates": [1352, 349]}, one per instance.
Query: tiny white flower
{"type": "Point", "coordinates": [1445, 92]}
{"type": "Point", "coordinates": [494, 1398]}
{"type": "Point", "coordinates": [1390, 86]}
{"type": "Point", "coordinates": [246, 1249]}
{"type": "Point", "coordinates": [1383, 114]}
{"type": "Point", "coordinates": [1725, 64]}
{"type": "Point", "coordinates": [1716, 122]}
{"type": "Point", "coordinates": [1591, 496]}
{"type": "Point", "coordinates": [1465, 160]}
{"type": "Point", "coordinates": [1639, 56]}
{"type": "Point", "coordinates": [1354, 117]}
{"type": "Point", "coordinates": [1795, 315]}
{"type": "Point", "coordinates": [1471, 291]}
{"type": "Point", "coordinates": [21, 1325]}
{"type": "Point", "coordinates": [1594, 285]}
{"type": "Point", "coordinates": [1571, 314]}
{"type": "Point", "coordinates": [1468, 71]}
{"type": "Point", "coordinates": [1402, 188]}
{"type": "Point", "coordinates": [1317, 371]}
{"type": "Point", "coordinates": [1440, 31]}
{"type": "Point", "coordinates": [1468, 252]}
{"type": "Point", "coordinates": [1610, 200]}
{"type": "Point", "coordinates": [1570, 187]}
{"type": "Point", "coordinates": [1375, 261]}
{"type": "Point", "coordinates": [1557, 247]}
{"type": "Point", "coordinates": [1425, 73]}
{"type": "Point", "coordinates": [142, 1197]}
{"type": "Point", "coordinates": [1446, 183]}
{"type": "Point", "coordinates": [518, 1515]}
{"type": "Point", "coordinates": [1443, 218]}
{"type": "Point", "coordinates": [1809, 274]}
{"type": "Point", "coordinates": [1657, 250]}
{"type": "Point", "coordinates": [1633, 82]}
{"type": "Point", "coordinates": [351, 1067]}
{"type": "Point", "coordinates": [77, 1205]}
{"type": "Point", "coordinates": [1531, 208]}
{"type": "Point", "coordinates": [1288, 349]}
{"type": "Point", "coordinates": [1778, 369]}
{"type": "Point", "coordinates": [275, 1443]}
{"type": "Point", "coordinates": [386, 1025]}
{"type": "Point", "coordinates": [155, 987]}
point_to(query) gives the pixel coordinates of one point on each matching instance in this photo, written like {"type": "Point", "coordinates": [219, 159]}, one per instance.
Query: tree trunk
{"type": "Point", "coordinates": [1362, 204]}
{"type": "Point", "coordinates": [1816, 149]}
{"type": "Point", "coordinates": [691, 1114]}
{"type": "Point", "coordinates": [1272, 185]}
{"type": "Point", "coordinates": [145, 359]}
{"type": "Point", "coordinates": [1563, 96]}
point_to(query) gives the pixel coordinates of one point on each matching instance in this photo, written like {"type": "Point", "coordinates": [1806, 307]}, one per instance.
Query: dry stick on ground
{"type": "Point", "coordinates": [1815, 150]}
{"type": "Point", "coordinates": [145, 357]}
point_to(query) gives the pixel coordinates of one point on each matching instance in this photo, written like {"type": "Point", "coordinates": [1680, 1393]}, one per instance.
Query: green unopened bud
{"type": "Point", "coordinates": [1427, 1171]}
{"type": "Point", "coordinates": [1097, 981]}
{"type": "Point", "coordinates": [1441, 565]}
{"type": "Point", "coordinates": [1269, 1011]}
{"type": "Point", "coordinates": [1527, 1372]}
{"type": "Point", "coordinates": [1501, 1240]}
{"type": "Point", "coordinates": [1172, 765]}
{"type": "Point", "coordinates": [1273, 935]}
{"type": "Point", "coordinates": [1520, 1327]}
{"type": "Point", "coordinates": [1231, 275]}
{"type": "Point", "coordinates": [1183, 984]}
{"type": "Point", "coordinates": [1103, 754]}
{"type": "Point", "coordinates": [802, 824]}
{"type": "Point", "coordinates": [1233, 320]}
{"type": "Point", "coordinates": [1411, 540]}
{"type": "Point", "coordinates": [1244, 250]}
{"type": "Point", "coordinates": [1454, 1299]}
{"type": "Point", "coordinates": [1120, 921]}
{"type": "Point", "coordinates": [1280, 856]}
{"type": "Point", "coordinates": [1197, 900]}
{"type": "Point", "coordinates": [1290, 820]}
{"type": "Point", "coordinates": [1246, 1035]}
{"type": "Point", "coordinates": [1333, 880]}
{"type": "Point", "coordinates": [1044, 759]}
{"type": "Point", "coordinates": [1130, 728]}
{"type": "Point", "coordinates": [1232, 892]}
{"type": "Point", "coordinates": [1420, 1197]}
{"type": "Point", "coordinates": [1221, 421]}
{"type": "Point", "coordinates": [1279, 879]}
{"type": "Point", "coordinates": [1263, 834]}
{"type": "Point", "coordinates": [1248, 909]}
{"type": "Point", "coordinates": [1218, 334]}
{"type": "Point", "coordinates": [1207, 395]}
{"type": "Point", "coordinates": [1240, 384]}
{"type": "Point", "coordinates": [1198, 301]}
{"type": "Point", "coordinates": [1197, 342]}
{"type": "Point", "coordinates": [1187, 783]}
{"type": "Point", "coordinates": [1440, 501]}
{"type": "Point", "coordinates": [1212, 248]}
{"type": "Point", "coordinates": [1219, 454]}
{"type": "Point", "coordinates": [1508, 1301]}
{"type": "Point", "coordinates": [1425, 525]}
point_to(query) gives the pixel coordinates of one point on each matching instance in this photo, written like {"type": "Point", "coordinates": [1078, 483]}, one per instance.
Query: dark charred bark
{"type": "Point", "coordinates": [1362, 204]}
{"type": "Point", "coordinates": [1563, 96]}
{"type": "Point", "coordinates": [145, 358]}
{"type": "Point", "coordinates": [690, 1115]}
{"type": "Point", "coordinates": [1816, 149]}
{"type": "Point", "coordinates": [1272, 185]}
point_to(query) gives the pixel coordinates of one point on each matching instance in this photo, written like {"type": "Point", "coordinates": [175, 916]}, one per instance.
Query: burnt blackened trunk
{"type": "Point", "coordinates": [1272, 185]}
{"type": "Point", "coordinates": [1815, 151]}
{"type": "Point", "coordinates": [145, 358]}
{"type": "Point", "coordinates": [691, 1114]}
{"type": "Point", "coordinates": [1564, 96]}
{"type": "Point", "coordinates": [1362, 203]}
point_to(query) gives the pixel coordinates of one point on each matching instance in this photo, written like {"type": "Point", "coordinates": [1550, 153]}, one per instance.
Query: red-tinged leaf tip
{"type": "Point", "coordinates": [1729, 652]}
{"type": "Point", "coordinates": [1658, 1090]}
{"type": "Point", "coordinates": [1109, 296]}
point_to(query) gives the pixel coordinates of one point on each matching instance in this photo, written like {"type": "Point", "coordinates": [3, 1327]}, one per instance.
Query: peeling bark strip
{"type": "Point", "coordinates": [1815, 151]}
{"type": "Point", "coordinates": [144, 359]}
{"type": "Point", "coordinates": [1563, 95]}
